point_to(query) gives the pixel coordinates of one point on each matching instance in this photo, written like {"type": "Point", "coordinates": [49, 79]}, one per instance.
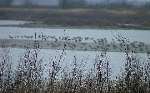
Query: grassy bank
{"type": "Point", "coordinates": [103, 18]}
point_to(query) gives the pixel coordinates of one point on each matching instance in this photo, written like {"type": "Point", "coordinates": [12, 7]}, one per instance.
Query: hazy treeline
{"type": "Point", "coordinates": [6, 2]}
{"type": "Point", "coordinates": [29, 75]}
{"type": "Point", "coordinates": [77, 3]}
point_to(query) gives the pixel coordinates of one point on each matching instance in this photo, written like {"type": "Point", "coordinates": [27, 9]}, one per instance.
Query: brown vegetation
{"type": "Point", "coordinates": [128, 18]}
{"type": "Point", "coordinates": [29, 75]}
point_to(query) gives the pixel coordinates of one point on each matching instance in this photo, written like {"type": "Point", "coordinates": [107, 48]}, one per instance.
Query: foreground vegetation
{"type": "Point", "coordinates": [30, 77]}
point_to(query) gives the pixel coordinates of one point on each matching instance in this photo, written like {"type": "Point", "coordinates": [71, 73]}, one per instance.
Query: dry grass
{"type": "Point", "coordinates": [80, 17]}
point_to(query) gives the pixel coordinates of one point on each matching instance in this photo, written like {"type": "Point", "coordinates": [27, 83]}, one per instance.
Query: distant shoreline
{"type": "Point", "coordinates": [30, 25]}
{"type": "Point", "coordinates": [72, 45]}
{"type": "Point", "coordinates": [79, 18]}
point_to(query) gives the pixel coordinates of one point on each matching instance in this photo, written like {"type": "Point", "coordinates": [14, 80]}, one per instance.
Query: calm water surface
{"type": "Point", "coordinates": [116, 58]}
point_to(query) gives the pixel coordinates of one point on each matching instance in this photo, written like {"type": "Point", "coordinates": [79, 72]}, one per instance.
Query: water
{"type": "Point", "coordinates": [117, 59]}
{"type": "Point", "coordinates": [132, 35]}
{"type": "Point", "coordinates": [12, 22]}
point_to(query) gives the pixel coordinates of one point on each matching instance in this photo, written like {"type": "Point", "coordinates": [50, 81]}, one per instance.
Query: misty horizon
{"type": "Point", "coordinates": [89, 2]}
